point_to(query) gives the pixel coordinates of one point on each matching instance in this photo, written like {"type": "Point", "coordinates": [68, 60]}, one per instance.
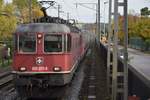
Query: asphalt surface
{"type": "Point", "coordinates": [139, 64]}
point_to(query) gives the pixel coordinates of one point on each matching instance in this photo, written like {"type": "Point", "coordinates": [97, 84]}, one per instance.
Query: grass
{"type": "Point", "coordinates": [148, 52]}
{"type": "Point", "coordinates": [6, 63]}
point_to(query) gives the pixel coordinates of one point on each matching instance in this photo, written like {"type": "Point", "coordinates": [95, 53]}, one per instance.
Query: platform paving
{"type": "Point", "coordinates": [139, 64]}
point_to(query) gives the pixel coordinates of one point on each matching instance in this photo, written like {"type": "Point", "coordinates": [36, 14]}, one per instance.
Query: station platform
{"type": "Point", "coordinates": [139, 71]}
{"type": "Point", "coordinates": [139, 64]}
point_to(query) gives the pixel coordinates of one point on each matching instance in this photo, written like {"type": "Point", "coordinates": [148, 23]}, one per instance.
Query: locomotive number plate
{"type": "Point", "coordinates": [40, 68]}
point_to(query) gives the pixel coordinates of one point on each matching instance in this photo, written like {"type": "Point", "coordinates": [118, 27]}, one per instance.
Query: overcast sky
{"type": "Point", "coordinates": [83, 14]}
{"type": "Point", "coordinates": [86, 15]}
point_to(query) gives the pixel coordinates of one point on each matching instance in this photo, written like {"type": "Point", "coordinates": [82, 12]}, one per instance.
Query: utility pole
{"type": "Point", "coordinates": [68, 16]}
{"type": "Point", "coordinates": [109, 47]}
{"type": "Point", "coordinates": [125, 49]}
{"type": "Point", "coordinates": [58, 11]}
{"type": "Point", "coordinates": [97, 14]}
{"type": "Point", "coordinates": [104, 19]}
{"type": "Point", "coordinates": [115, 52]}
{"type": "Point", "coordinates": [99, 29]}
{"type": "Point", "coordinates": [96, 30]}
{"type": "Point", "coordinates": [120, 88]}
{"type": "Point", "coordinates": [30, 10]}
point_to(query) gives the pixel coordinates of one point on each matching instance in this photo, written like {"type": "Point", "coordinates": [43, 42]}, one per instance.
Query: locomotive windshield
{"type": "Point", "coordinates": [53, 43]}
{"type": "Point", "coordinates": [27, 43]}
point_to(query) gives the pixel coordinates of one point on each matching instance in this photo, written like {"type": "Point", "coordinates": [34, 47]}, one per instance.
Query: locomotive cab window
{"type": "Point", "coordinates": [53, 43]}
{"type": "Point", "coordinates": [27, 43]}
{"type": "Point", "coordinates": [69, 43]}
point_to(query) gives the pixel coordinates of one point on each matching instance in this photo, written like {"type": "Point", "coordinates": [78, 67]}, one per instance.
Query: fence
{"type": "Point", "coordinates": [138, 43]}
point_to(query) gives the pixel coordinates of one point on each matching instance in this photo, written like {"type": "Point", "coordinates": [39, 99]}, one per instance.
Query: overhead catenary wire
{"type": "Point", "coordinates": [87, 7]}
{"type": "Point", "coordinates": [76, 11]}
{"type": "Point", "coordinates": [83, 5]}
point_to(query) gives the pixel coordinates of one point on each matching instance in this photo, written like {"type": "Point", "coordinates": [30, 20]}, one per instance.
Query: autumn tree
{"type": "Point", "coordinates": [145, 12]}
{"type": "Point", "coordinates": [132, 20]}
{"type": "Point", "coordinates": [121, 33]}
{"type": "Point", "coordinates": [143, 28]}
{"type": "Point", "coordinates": [137, 27]}
{"type": "Point", "coordinates": [23, 6]}
{"type": "Point", "coordinates": [7, 20]}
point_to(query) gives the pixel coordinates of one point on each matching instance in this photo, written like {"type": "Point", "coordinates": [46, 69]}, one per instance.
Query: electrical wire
{"type": "Point", "coordinates": [67, 4]}
{"type": "Point", "coordinates": [77, 14]}
{"type": "Point", "coordinates": [88, 7]}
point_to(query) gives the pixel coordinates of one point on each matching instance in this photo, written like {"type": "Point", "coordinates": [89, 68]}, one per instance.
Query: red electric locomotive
{"type": "Point", "coordinates": [47, 53]}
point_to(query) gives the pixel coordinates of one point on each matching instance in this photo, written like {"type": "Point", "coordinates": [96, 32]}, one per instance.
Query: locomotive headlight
{"type": "Point", "coordinates": [23, 69]}
{"type": "Point", "coordinates": [57, 69]}
{"type": "Point", "coordinates": [39, 36]}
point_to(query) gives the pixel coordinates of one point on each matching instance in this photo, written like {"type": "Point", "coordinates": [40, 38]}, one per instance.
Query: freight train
{"type": "Point", "coordinates": [47, 53]}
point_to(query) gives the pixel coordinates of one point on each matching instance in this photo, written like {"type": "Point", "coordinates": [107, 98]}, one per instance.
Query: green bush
{"type": "Point", "coordinates": [147, 44]}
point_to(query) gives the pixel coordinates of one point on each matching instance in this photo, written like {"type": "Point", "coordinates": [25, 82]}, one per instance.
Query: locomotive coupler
{"type": "Point", "coordinates": [40, 83]}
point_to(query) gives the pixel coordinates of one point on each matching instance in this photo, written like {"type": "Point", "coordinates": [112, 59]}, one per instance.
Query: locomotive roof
{"type": "Point", "coordinates": [43, 27]}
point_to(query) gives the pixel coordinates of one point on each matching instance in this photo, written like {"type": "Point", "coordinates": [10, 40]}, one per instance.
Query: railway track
{"type": "Point", "coordinates": [7, 91]}
{"type": "Point", "coordinates": [6, 82]}
{"type": "Point", "coordinates": [94, 84]}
